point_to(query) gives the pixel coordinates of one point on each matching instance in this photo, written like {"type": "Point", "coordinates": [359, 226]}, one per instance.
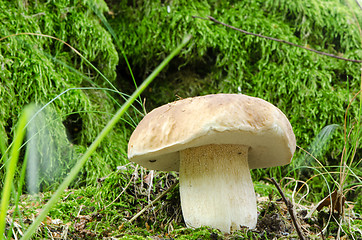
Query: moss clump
{"type": "Point", "coordinates": [36, 68]}
{"type": "Point", "coordinates": [312, 90]}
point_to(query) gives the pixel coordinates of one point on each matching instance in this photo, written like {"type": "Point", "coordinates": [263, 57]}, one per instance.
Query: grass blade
{"type": "Point", "coordinates": [11, 166]}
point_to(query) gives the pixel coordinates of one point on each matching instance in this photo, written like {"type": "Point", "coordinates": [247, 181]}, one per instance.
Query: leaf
{"type": "Point", "coordinates": [335, 200]}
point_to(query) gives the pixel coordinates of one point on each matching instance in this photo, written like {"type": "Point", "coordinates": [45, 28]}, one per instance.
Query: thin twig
{"type": "Point", "coordinates": [359, 5]}
{"type": "Point", "coordinates": [120, 193]}
{"type": "Point", "coordinates": [290, 210]}
{"type": "Point", "coordinates": [125, 188]}
{"type": "Point", "coordinates": [278, 40]}
{"type": "Point", "coordinates": [151, 203]}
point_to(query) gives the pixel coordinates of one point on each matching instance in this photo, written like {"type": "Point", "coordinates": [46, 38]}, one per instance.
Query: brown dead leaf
{"type": "Point", "coordinates": [337, 203]}
{"type": "Point", "coordinates": [148, 178]}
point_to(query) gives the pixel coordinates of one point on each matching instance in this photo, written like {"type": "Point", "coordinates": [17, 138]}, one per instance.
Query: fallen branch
{"type": "Point", "coordinates": [278, 40]}
{"type": "Point", "coordinates": [290, 210]}
{"type": "Point", "coordinates": [151, 203]}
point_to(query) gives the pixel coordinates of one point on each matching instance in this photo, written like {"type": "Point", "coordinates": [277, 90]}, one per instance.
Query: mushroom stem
{"type": "Point", "coordinates": [216, 187]}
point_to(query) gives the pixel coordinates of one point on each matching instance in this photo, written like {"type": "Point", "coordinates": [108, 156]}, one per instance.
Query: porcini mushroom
{"type": "Point", "coordinates": [214, 141]}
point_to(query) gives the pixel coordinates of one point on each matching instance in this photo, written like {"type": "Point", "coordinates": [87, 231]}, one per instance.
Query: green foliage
{"type": "Point", "coordinates": [100, 137]}
{"type": "Point", "coordinates": [312, 90]}
{"type": "Point", "coordinates": [11, 166]}
{"type": "Point", "coordinates": [40, 69]}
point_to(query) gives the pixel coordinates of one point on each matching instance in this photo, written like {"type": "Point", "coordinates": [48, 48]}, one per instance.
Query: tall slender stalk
{"type": "Point", "coordinates": [11, 166]}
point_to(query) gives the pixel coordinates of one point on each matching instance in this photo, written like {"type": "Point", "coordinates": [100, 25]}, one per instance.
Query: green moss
{"type": "Point", "coordinates": [38, 69]}
{"type": "Point", "coordinates": [312, 90]}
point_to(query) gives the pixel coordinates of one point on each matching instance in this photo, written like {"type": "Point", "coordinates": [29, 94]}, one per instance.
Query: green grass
{"type": "Point", "coordinates": [11, 166]}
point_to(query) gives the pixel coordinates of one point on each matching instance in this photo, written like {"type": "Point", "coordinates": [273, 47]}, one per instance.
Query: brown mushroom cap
{"type": "Point", "coordinates": [213, 119]}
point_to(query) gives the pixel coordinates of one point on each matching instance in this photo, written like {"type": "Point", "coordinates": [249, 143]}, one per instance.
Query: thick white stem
{"type": "Point", "coordinates": [216, 187]}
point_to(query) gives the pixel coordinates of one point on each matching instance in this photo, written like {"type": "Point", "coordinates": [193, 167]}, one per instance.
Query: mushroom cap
{"type": "Point", "coordinates": [213, 119]}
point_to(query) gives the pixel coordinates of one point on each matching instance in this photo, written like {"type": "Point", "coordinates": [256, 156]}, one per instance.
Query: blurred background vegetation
{"type": "Point", "coordinates": [312, 90]}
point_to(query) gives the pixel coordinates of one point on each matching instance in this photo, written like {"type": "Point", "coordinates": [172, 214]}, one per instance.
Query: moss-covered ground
{"type": "Point", "coordinates": [106, 211]}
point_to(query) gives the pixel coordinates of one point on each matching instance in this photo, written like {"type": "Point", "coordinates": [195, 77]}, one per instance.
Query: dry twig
{"type": "Point", "coordinates": [278, 40]}
{"type": "Point", "coordinates": [289, 205]}
{"type": "Point", "coordinates": [151, 203]}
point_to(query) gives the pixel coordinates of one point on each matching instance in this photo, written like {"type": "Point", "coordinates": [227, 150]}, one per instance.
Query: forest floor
{"type": "Point", "coordinates": [109, 211]}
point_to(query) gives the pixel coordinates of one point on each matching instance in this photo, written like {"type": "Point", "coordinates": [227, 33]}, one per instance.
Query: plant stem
{"type": "Point", "coordinates": [80, 163]}
{"type": "Point", "coordinates": [11, 166]}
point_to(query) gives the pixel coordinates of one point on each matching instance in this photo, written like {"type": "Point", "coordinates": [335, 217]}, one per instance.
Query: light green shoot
{"type": "Point", "coordinates": [12, 164]}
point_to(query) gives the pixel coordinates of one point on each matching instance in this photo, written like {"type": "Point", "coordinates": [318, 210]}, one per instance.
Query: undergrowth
{"type": "Point", "coordinates": [105, 211]}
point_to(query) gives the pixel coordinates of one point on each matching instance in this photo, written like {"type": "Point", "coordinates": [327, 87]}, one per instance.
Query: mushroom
{"type": "Point", "coordinates": [214, 141]}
